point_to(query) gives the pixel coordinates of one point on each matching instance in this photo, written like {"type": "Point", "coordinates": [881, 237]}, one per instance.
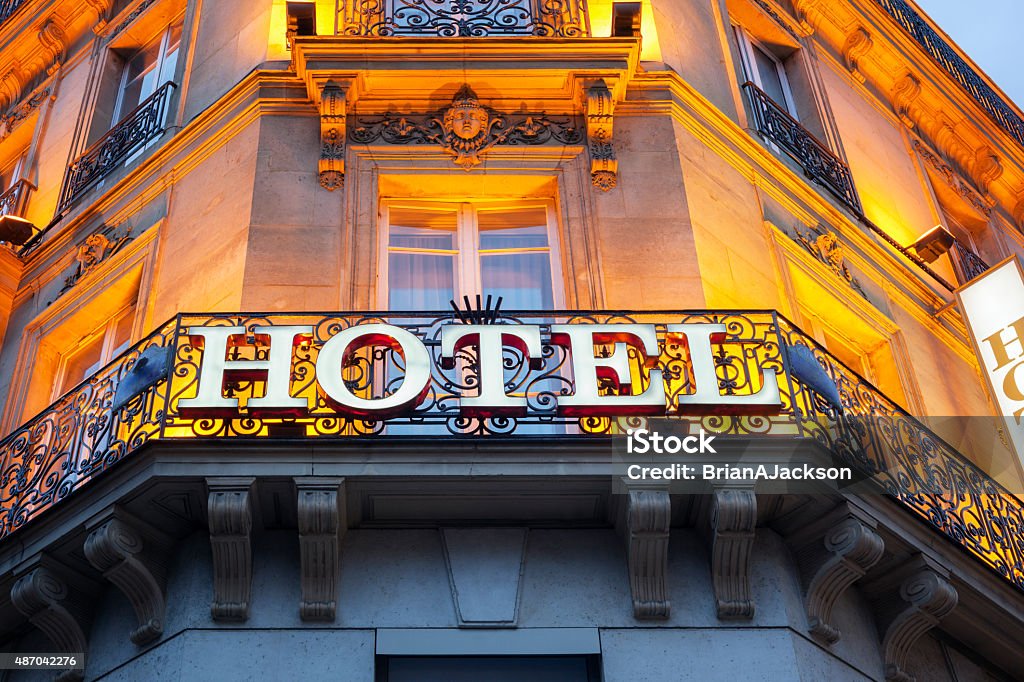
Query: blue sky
{"type": "Point", "coordinates": [989, 31]}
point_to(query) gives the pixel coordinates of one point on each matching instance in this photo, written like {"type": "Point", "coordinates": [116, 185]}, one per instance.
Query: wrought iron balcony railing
{"type": "Point", "coordinates": [144, 124]}
{"type": "Point", "coordinates": [12, 201]}
{"type": "Point", "coordinates": [81, 436]}
{"type": "Point", "coordinates": [818, 161]}
{"type": "Point", "coordinates": [955, 65]}
{"type": "Point", "coordinates": [966, 263]}
{"type": "Point", "coordinates": [9, 7]}
{"type": "Point", "coordinates": [463, 18]}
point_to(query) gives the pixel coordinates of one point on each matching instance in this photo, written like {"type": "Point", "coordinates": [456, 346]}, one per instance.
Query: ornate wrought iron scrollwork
{"type": "Point", "coordinates": [144, 124]}
{"type": "Point", "coordinates": [81, 436]}
{"type": "Point", "coordinates": [9, 7]}
{"type": "Point", "coordinates": [463, 18]}
{"type": "Point", "coordinates": [817, 160]}
{"type": "Point", "coordinates": [955, 65]}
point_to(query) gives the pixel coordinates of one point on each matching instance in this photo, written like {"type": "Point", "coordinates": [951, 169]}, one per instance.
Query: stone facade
{"type": "Point", "coordinates": [258, 182]}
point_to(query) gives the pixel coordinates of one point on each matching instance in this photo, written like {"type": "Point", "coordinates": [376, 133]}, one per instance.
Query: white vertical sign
{"type": "Point", "coordinates": [993, 307]}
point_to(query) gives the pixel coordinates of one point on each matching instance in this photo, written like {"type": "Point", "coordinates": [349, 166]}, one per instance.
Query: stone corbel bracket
{"type": "Point", "coordinates": [133, 556]}
{"type": "Point", "coordinates": [333, 106]}
{"type": "Point", "coordinates": [833, 553]}
{"type": "Point", "coordinates": [732, 520]}
{"type": "Point", "coordinates": [53, 598]}
{"type": "Point", "coordinates": [230, 511]}
{"type": "Point", "coordinates": [858, 44]}
{"type": "Point", "coordinates": [322, 524]}
{"type": "Point", "coordinates": [648, 517]}
{"type": "Point", "coordinates": [604, 167]}
{"type": "Point", "coordinates": [910, 599]}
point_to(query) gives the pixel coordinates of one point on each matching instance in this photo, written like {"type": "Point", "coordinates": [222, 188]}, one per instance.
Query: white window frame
{"type": "Point", "coordinates": [747, 44]}
{"type": "Point", "coordinates": [108, 331]}
{"type": "Point", "coordinates": [119, 112]}
{"type": "Point", "coordinates": [467, 253]}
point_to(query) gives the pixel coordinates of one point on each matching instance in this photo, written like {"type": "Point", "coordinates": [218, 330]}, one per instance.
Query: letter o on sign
{"type": "Point", "coordinates": [335, 354]}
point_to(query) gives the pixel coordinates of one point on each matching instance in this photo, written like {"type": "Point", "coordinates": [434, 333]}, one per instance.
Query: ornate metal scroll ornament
{"type": "Point", "coordinates": [463, 18]}
{"type": "Point", "coordinates": [466, 129]}
{"type": "Point", "coordinates": [603, 165]}
{"type": "Point", "coordinates": [332, 136]}
{"type": "Point", "coordinates": [826, 247]}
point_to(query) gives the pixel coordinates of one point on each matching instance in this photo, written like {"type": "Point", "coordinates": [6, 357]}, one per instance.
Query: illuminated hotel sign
{"type": "Point", "coordinates": [626, 346]}
{"type": "Point", "coordinates": [993, 306]}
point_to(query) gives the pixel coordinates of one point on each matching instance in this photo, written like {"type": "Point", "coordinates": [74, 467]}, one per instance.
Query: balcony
{"type": "Point", "coordinates": [83, 435]}
{"type": "Point", "coordinates": [463, 18]}
{"type": "Point", "coordinates": [140, 127]}
{"type": "Point", "coordinates": [822, 166]}
{"type": "Point", "coordinates": [945, 56]}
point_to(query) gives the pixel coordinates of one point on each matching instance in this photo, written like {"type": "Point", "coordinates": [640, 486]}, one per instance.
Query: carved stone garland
{"type": "Point", "coordinates": [332, 136]}
{"type": "Point", "coordinates": [466, 129]}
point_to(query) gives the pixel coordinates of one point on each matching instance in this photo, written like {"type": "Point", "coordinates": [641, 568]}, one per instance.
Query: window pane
{"type": "Point", "coordinates": [771, 82]}
{"type": "Point", "coordinates": [170, 55]}
{"type": "Point", "coordinates": [491, 669]}
{"type": "Point", "coordinates": [513, 228]}
{"type": "Point", "coordinates": [122, 336]}
{"type": "Point", "coordinates": [523, 280]}
{"type": "Point", "coordinates": [82, 363]}
{"type": "Point", "coordinates": [422, 229]}
{"type": "Point", "coordinates": [420, 281]}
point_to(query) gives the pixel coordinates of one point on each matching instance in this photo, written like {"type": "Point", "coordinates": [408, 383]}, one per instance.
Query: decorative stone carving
{"type": "Point", "coordinates": [230, 510]}
{"type": "Point", "coordinates": [102, 9]}
{"type": "Point", "coordinates": [332, 136]}
{"type": "Point", "coordinates": [986, 168]}
{"type": "Point", "coordinates": [55, 43]}
{"type": "Point", "coordinates": [466, 129]}
{"type": "Point", "coordinates": [733, 518]}
{"type": "Point", "coordinates": [929, 598]}
{"type": "Point", "coordinates": [647, 523]}
{"type": "Point", "coordinates": [19, 113]}
{"type": "Point", "coordinates": [44, 596]}
{"type": "Point", "coordinates": [136, 13]}
{"type": "Point", "coordinates": [603, 164]}
{"type": "Point", "coordinates": [97, 247]}
{"type": "Point", "coordinates": [827, 248]}
{"type": "Point", "coordinates": [904, 93]}
{"type": "Point", "coordinates": [11, 84]}
{"type": "Point", "coordinates": [321, 527]}
{"type": "Point", "coordinates": [132, 555]}
{"type": "Point", "coordinates": [808, 13]}
{"type": "Point", "coordinates": [778, 16]}
{"type": "Point", "coordinates": [848, 549]}
{"type": "Point", "coordinates": [857, 45]}
{"type": "Point", "coordinates": [952, 179]}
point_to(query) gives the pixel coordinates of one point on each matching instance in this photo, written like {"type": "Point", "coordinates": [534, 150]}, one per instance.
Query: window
{"type": "Point", "coordinates": [765, 70]}
{"type": "Point", "coordinates": [871, 358]}
{"type": "Point", "coordinates": [433, 252]}
{"type": "Point", "coordinates": [491, 668]}
{"type": "Point", "coordinates": [94, 351]}
{"type": "Point", "coordinates": [146, 70]}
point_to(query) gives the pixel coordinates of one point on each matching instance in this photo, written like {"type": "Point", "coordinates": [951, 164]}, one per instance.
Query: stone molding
{"type": "Point", "coordinates": [648, 517]}
{"type": "Point", "coordinates": [230, 510]}
{"type": "Point", "coordinates": [133, 556]}
{"type": "Point", "coordinates": [321, 520]}
{"type": "Point", "coordinates": [732, 522]}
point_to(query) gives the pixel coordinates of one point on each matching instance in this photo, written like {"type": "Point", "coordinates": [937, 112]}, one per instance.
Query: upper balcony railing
{"type": "Point", "coordinates": [818, 161]}
{"type": "Point", "coordinates": [9, 7]}
{"type": "Point", "coordinates": [145, 123]}
{"type": "Point", "coordinates": [463, 18]}
{"type": "Point", "coordinates": [955, 65]}
{"type": "Point", "coordinates": [966, 263]}
{"type": "Point", "coordinates": [83, 435]}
